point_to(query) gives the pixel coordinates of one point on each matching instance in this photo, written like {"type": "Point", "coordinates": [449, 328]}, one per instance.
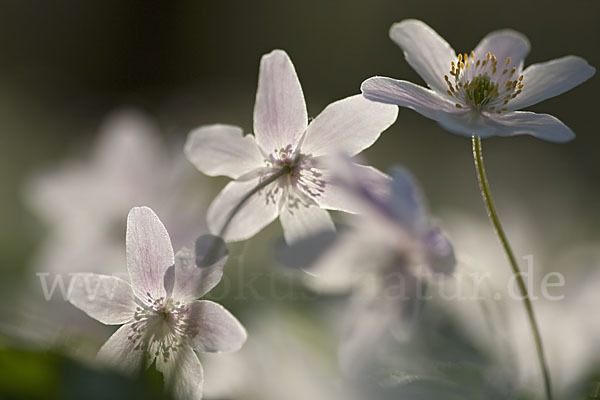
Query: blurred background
{"type": "Point", "coordinates": [66, 66]}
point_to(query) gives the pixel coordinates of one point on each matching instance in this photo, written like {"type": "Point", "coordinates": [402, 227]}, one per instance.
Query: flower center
{"type": "Point", "coordinates": [301, 174]}
{"type": "Point", "coordinates": [160, 327]}
{"type": "Point", "coordinates": [482, 84]}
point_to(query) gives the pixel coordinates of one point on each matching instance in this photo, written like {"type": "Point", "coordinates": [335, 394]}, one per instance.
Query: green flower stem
{"type": "Point", "coordinates": [261, 185]}
{"type": "Point", "coordinates": [487, 199]}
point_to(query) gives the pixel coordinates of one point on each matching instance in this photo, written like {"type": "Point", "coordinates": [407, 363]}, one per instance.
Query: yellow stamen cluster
{"type": "Point", "coordinates": [481, 84]}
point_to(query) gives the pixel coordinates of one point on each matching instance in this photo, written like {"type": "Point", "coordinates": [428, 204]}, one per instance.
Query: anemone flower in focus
{"type": "Point", "coordinates": [478, 93]}
{"type": "Point", "coordinates": [278, 171]}
{"type": "Point", "coordinates": [162, 320]}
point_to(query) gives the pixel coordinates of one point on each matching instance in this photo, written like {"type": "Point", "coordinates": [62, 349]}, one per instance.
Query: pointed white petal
{"type": "Point", "coordinates": [193, 281]}
{"type": "Point", "coordinates": [216, 329]}
{"type": "Point", "coordinates": [300, 222]}
{"type": "Point", "coordinates": [427, 103]}
{"type": "Point", "coordinates": [182, 373]}
{"type": "Point", "coordinates": [107, 299]}
{"type": "Point", "coordinates": [503, 44]}
{"type": "Point", "coordinates": [256, 213]}
{"type": "Point", "coordinates": [222, 150]}
{"type": "Point", "coordinates": [545, 80]}
{"type": "Point", "coordinates": [149, 253]}
{"type": "Point", "coordinates": [280, 116]}
{"type": "Point", "coordinates": [406, 94]}
{"type": "Point", "coordinates": [119, 351]}
{"type": "Point", "coordinates": [336, 197]}
{"type": "Point", "coordinates": [426, 51]}
{"type": "Point", "coordinates": [542, 126]}
{"type": "Point", "coordinates": [349, 125]}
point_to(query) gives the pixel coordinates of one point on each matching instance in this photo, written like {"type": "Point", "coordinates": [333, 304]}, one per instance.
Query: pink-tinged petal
{"type": "Point", "coordinates": [349, 125]}
{"type": "Point", "coordinates": [542, 126]}
{"type": "Point", "coordinates": [545, 80]}
{"type": "Point", "coordinates": [426, 51]}
{"type": "Point", "coordinates": [336, 196]}
{"type": "Point", "coordinates": [300, 222]}
{"type": "Point", "coordinates": [107, 299]}
{"type": "Point", "coordinates": [280, 116]}
{"type": "Point", "coordinates": [503, 44]}
{"type": "Point", "coordinates": [215, 330]}
{"type": "Point", "coordinates": [222, 150]}
{"type": "Point", "coordinates": [149, 253]}
{"type": "Point", "coordinates": [183, 373]}
{"type": "Point", "coordinates": [193, 281]}
{"type": "Point", "coordinates": [120, 351]}
{"type": "Point", "coordinates": [258, 211]}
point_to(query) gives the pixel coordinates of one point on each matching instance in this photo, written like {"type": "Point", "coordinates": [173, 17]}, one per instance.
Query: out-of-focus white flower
{"type": "Point", "coordinates": [496, 322]}
{"type": "Point", "coordinates": [284, 358]}
{"type": "Point", "coordinates": [84, 202]}
{"type": "Point", "coordinates": [284, 143]}
{"type": "Point", "coordinates": [384, 260]}
{"type": "Point", "coordinates": [479, 92]}
{"type": "Point", "coordinates": [162, 320]}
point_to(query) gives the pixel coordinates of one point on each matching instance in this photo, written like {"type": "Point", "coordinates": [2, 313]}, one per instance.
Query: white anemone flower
{"type": "Point", "coordinates": [285, 146]}
{"type": "Point", "coordinates": [385, 261]}
{"type": "Point", "coordinates": [162, 320]}
{"type": "Point", "coordinates": [478, 93]}
{"type": "Point", "coordinates": [82, 201]}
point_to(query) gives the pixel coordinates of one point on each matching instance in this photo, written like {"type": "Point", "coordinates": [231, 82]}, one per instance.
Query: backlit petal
{"type": "Point", "coordinates": [222, 150]}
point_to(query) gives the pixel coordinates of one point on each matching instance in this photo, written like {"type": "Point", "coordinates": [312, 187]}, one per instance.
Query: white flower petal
{"type": "Point", "coordinates": [183, 373]}
{"type": "Point", "coordinates": [216, 329]}
{"type": "Point", "coordinates": [424, 101]}
{"type": "Point", "coordinates": [301, 222]}
{"type": "Point", "coordinates": [149, 253]}
{"type": "Point", "coordinates": [426, 51]}
{"type": "Point", "coordinates": [192, 281]}
{"type": "Point", "coordinates": [222, 150]}
{"type": "Point", "coordinates": [336, 197]}
{"type": "Point", "coordinates": [280, 116]}
{"type": "Point", "coordinates": [542, 126]}
{"type": "Point", "coordinates": [349, 125]}
{"type": "Point", "coordinates": [406, 94]}
{"type": "Point", "coordinates": [256, 213]}
{"type": "Point", "coordinates": [503, 44]}
{"type": "Point", "coordinates": [545, 80]}
{"type": "Point", "coordinates": [343, 264]}
{"type": "Point", "coordinates": [427, 103]}
{"type": "Point", "coordinates": [119, 351]}
{"type": "Point", "coordinates": [107, 299]}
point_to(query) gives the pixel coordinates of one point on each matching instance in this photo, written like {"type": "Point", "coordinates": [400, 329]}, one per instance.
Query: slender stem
{"type": "Point", "coordinates": [258, 188]}
{"type": "Point", "coordinates": [487, 198]}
